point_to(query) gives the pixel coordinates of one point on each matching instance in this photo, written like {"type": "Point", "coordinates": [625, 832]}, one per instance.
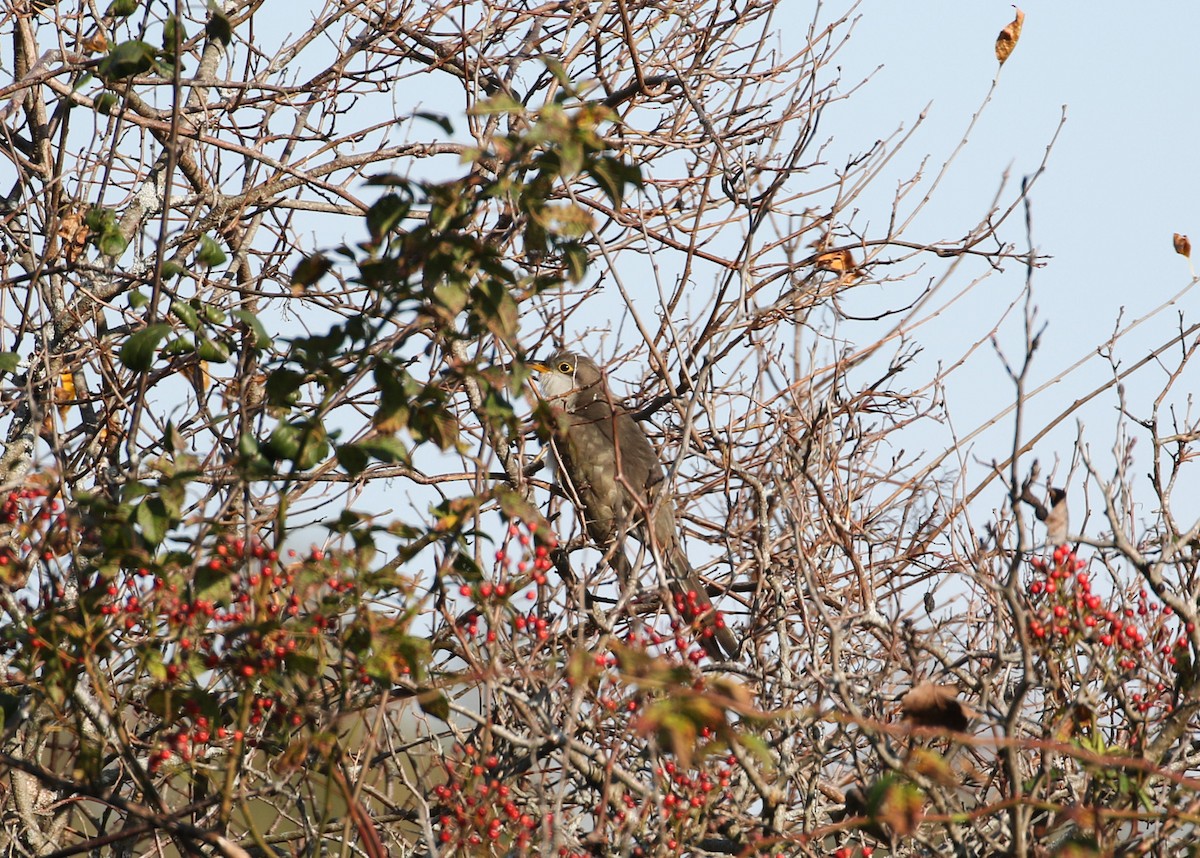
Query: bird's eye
{"type": "Point", "coordinates": [564, 367]}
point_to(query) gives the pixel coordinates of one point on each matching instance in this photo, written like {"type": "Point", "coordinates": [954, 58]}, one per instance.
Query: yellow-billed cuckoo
{"type": "Point", "coordinates": [618, 478]}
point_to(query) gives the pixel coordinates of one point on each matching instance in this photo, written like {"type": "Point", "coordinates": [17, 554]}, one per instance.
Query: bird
{"type": "Point", "coordinates": [1055, 517]}
{"type": "Point", "coordinates": [618, 479]}
{"type": "Point", "coordinates": [1053, 513]}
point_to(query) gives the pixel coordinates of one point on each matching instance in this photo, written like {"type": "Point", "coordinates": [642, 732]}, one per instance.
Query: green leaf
{"type": "Point", "coordinates": [213, 351]}
{"type": "Point", "coordinates": [138, 351]}
{"type": "Point", "coordinates": [381, 180]}
{"type": "Point", "coordinates": [283, 387]}
{"type": "Point", "coordinates": [213, 585]}
{"type": "Point", "coordinates": [153, 664]}
{"type": "Point", "coordinates": [434, 423]}
{"type": "Point", "coordinates": [392, 412]}
{"type": "Point", "coordinates": [575, 256]}
{"type": "Point", "coordinates": [514, 506]}
{"type": "Point", "coordinates": [173, 34]}
{"type": "Point", "coordinates": [434, 703]}
{"type": "Point", "coordinates": [121, 8]}
{"type": "Point", "coordinates": [496, 308]}
{"type": "Point", "coordinates": [385, 215]}
{"type": "Point", "coordinates": [154, 519]}
{"type": "Point", "coordinates": [555, 67]}
{"type": "Point", "coordinates": [248, 445]}
{"type": "Point", "coordinates": [126, 60]}
{"type": "Point", "coordinates": [186, 313]}
{"type": "Point", "coordinates": [9, 361]}
{"type": "Point", "coordinates": [112, 243]}
{"type": "Point", "coordinates": [352, 458]}
{"type": "Point", "coordinates": [258, 334]}
{"type": "Point", "coordinates": [497, 104]}
{"type": "Point", "coordinates": [386, 449]}
{"type": "Point", "coordinates": [438, 119]}
{"type": "Point", "coordinates": [612, 175]}
{"type": "Point", "coordinates": [300, 441]}
{"type": "Point", "coordinates": [208, 252]}
{"type": "Point", "coordinates": [172, 269]}
{"type": "Point", "coordinates": [498, 409]}
{"type": "Point", "coordinates": [452, 295]}
{"type": "Point", "coordinates": [178, 346]}
{"type": "Point", "coordinates": [315, 449]}
{"type": "Point", "coordinates": [137, 300]}
{"type": "Point", "coordinates": [105, 102]}
{"type": "Point", "coordinates": [310, 269]}
{"type": "Point", "coordinates": [284, 442]}
{"type": "Point", "coordinates": [106, 230]}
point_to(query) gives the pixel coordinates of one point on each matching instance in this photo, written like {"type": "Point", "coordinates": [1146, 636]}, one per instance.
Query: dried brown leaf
{"type": "Point", "coordinates": [95, 44]}
{"type": "Point", "coordinates": [1182, 246]}
{"type": "Point", "coordinates": [930, 705]}
{"type": "Point", "coordinates": [73, 232]}
{"type": "Point", "coordinates": [1007, 40]}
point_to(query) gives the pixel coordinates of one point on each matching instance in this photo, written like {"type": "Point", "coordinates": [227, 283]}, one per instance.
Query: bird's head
{"type": "Point", "coordinates": [565, 374]}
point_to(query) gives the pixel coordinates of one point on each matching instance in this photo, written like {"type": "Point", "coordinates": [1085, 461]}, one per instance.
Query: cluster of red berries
{"type": "Point", "coordinates": [259, 632]}
{"type": "Point", "coordinates": [186, 741]}
{"type": "Point", "coordinates": [42, 526]}
{"type": "Point", "coordinates": [685, 792]}
{"type": "Point", "coordinates": [535, 543]}
{"type": "Point", "coordinates": [685, 795]}
{"type": "Point", "coordinates": [534, 625]}
{"type": "Point", "coordinates": [184, 744]}
{"type": "Point", "coordinates": [847, 852]}
{"type": "Point", "coordinates": [533, 563]}
{"type": "Point", "coordinates": [694, 612]}
{"type": "Point", "coordinates": [1067, 610]}
{"type": "Point", "coordinates": [477, 808]}
{"type": "Point", "coordinates": [10, 511]}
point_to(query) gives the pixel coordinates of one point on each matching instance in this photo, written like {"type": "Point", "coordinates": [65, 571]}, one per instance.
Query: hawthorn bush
{"type": "Point", "coordinates": [285, 570]}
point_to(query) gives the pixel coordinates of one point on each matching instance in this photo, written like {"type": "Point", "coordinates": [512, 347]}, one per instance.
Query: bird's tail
{"type": "Point", "coordinates": [694, 606]}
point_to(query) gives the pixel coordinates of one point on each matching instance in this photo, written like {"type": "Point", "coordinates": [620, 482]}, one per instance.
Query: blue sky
{"type": "Point", "coordinates": [1120, 180]}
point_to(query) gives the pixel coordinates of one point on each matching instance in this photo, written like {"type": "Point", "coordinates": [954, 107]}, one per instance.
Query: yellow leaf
{"type": "Point", "coordinates": [1007, 40]}
{"type": "Point", "coordinates": [839, 262]}
{"type": "Point", "coordinates": [197, 374]}
{"type": "Point", "coordinates": [64, 394]}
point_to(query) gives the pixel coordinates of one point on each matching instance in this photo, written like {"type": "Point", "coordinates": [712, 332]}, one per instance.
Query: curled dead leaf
{"type": "Point", "coordinates": [1007, 40]}
{"type": "Point", "coordinates": [1182, 246]}
{"type": "Point", "coordinates": [94, 44]}
{"type": "Point", "coordinates": [930, 705]}
{"type": "Point", "coordinates": [891, 806]}
{"type": "Point", "coordinates": [73, 232]}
